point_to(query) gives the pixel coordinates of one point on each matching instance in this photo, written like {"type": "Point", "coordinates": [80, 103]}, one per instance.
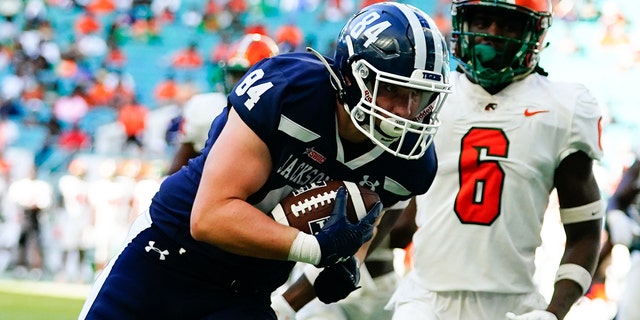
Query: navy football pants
{"type": "Point", "coordinates": [154, 279]}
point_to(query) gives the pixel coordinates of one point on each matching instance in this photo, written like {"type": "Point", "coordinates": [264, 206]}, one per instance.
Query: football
{"type": "Point", "coordinates": [309, 207]}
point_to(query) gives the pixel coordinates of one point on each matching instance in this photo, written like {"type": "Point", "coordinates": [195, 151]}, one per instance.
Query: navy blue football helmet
{"type": "Point", "coordinates": [389, 45]}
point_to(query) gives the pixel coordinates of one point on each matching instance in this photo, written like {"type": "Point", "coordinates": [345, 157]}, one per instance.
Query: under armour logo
{"type": "Point", "coordinates": [162, 253]}
{"type": "Point", "coordinates": [369, 184]}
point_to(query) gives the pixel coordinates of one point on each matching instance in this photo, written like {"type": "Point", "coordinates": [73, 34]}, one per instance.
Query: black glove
{"type": "Point", "coordinates": [339, 238]}
{"type": "Point", "coordinates": [335, 282]}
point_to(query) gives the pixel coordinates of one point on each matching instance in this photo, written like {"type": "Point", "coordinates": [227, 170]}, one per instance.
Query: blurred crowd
{"type": "Point", "coordinates": [91, 93]}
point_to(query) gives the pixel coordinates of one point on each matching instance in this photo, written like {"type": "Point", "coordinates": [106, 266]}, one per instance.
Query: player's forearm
{"type": "Point", "coordinates": [299, 293]}
{"type": "Point", "coordinates": [582, 249]}
{"type": "Point", "coordinates": [241, 229]}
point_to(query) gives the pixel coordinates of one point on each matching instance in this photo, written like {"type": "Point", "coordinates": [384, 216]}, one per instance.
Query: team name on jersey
{"type": "Point", "coordinates": [300, 172]}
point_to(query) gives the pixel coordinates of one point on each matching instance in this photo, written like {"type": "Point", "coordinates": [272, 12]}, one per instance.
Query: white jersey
{"type": "Point", "coordinates": [479, 224]}
{"type": "Point", "coordinates": [198, 114]}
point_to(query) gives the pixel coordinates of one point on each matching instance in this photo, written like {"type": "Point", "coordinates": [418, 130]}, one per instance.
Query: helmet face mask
{"type": "Point", "coordinates": [393, 52]}
{"type": "Point", "coordinates": [497, 59]}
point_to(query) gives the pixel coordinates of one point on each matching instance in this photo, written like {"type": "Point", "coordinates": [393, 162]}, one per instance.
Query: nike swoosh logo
{"type": "Point", "coordinates": [528, 113]}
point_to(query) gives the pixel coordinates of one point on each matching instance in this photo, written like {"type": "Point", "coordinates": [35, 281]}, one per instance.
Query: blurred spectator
{"type": "Point", "coordinates": [166, 91]}
{"type": "Point", "coordinates": [10, 8]}
{"type": "Point", "coordinates": [188, 58]}
{"type": "Point", "coordinates": [117, 34]}
{"type": "Point", "coordinates": [98, 94]}
{"type": "Point", "coordinates": [66, 71]}
{"type": "Point", "coordinates": [35, 10]}
{"type": "Point", "coordinates": [133, 117]}
{"type": "Point", "coordinates": [146, 30]}
{"type": "Point", "coordinates": [10, 108]}
{"type": "Point", "coordinates": [212, 10]}
{"type": "Point", "coordinates": [116, 57]}
{"type": "Point", "coordinates": [91, 45]}
{"type": "Point", "coordinates": [70, 109]}
{"type": "Point", "coordinates": [33, 90]}
{"type": "Point", "coordinates": [165, 9]}
{"type": "Point", "coordinates": [87, 23]}
{"type": "Point", "coordinates": [5, 56]}
{"type": "Point", "coordinates": [74, 139]}
{"type": "Point", "coordinates": [237, 7]}
{"type": "Point", "coordinates": [53, 127]}
{"type": "Point", "coordinates": [122, 92]}
{"type": "Point", "coordinates": [11, 87]}
{"type": "Point", "coordinates": [8, 131]}
{"type": "Point", "coordinates": [337, 10]}
{"type": "Point", "coordinates": [193, 16]}
{"type": "Point", "coordinates": [101, 6]}
{"type": "Point", "coordinates": [8, 29]}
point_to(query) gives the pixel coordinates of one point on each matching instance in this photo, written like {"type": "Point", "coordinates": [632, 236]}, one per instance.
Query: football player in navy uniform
{"type": "Point", "coordinates": [208, 249]}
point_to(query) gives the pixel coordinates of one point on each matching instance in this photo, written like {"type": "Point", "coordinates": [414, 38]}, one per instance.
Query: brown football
{"type": "Point", "coordinates": [309, 207]}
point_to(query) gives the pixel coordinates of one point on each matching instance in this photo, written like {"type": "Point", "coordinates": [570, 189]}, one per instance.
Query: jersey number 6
{"type": "Point", "coordinates": [481, 176]}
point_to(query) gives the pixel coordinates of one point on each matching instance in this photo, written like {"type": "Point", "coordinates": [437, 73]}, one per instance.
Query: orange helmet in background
{"type": "Point", "coordinates": [248, 50]}
{"type": "Point", "coordinates": [244, 53]}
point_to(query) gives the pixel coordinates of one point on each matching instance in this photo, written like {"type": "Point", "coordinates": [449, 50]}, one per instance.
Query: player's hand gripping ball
{"type": "Point", "coordinates": [308, 208]}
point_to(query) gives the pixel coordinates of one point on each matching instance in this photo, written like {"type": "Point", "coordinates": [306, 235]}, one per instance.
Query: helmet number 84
{"type": "Point", "coordinates": [254, 92]}
{"type": "Point", "coordinates": [370, 32]}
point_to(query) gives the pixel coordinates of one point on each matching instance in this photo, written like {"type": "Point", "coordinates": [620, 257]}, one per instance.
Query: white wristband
{"type": "Point", "coordinates": [575, 273]}
{"type": "Point", "coordinates": [305, 248]}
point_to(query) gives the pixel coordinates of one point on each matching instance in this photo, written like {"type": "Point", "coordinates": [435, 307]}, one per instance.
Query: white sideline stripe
{"type": "Point", "coordinates": [356, 199]}
{"type": "Point", "coordinates": [51, 289]}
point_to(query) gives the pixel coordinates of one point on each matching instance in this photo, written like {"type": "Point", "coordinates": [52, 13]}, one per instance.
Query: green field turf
{"type": "Point", "coordinates": [34, 301]}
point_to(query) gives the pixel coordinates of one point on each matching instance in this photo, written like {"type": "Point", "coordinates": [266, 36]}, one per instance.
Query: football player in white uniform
{"type": "Point", "coordinates": [509, 136]}
{"type": "Point", "coordinates": [201, 109]}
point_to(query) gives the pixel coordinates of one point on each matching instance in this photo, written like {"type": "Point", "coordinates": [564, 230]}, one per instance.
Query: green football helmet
{"type": "Point", "coordinates": [497, 60]}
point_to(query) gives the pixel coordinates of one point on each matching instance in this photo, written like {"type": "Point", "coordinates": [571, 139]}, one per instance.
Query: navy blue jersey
{"type": "Point", "coordinates": [288, 101]}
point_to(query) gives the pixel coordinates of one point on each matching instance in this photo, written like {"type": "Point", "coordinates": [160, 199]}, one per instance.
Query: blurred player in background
{"type": "Point", "coordinates": [208, 248]}
{"type": "Point", "coordinates": [201, 109]}
{"type": "Point", "coordinates": [623, 227]}
{"type": "Point", "coordinates": [76, 223]}
{"type": "Point", "coordinates": [509, 136]}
